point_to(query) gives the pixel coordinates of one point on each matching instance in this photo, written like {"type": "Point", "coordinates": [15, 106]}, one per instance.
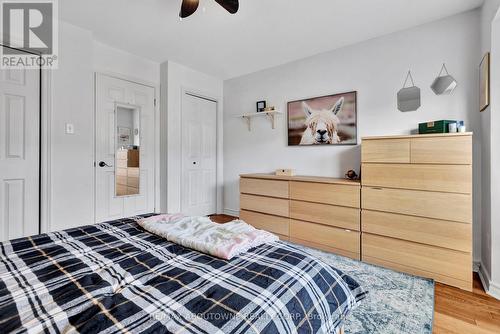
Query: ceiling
{"type": "Point", "coordinates": [265, 33]}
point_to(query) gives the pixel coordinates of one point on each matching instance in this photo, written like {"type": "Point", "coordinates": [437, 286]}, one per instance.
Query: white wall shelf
{"type": "Point", "coordinates": [269, 114]}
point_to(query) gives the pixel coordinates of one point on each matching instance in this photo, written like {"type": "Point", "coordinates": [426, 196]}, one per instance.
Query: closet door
{"type": "Point", "coordinates": [19, 153]}
{"type": "Point", "coordinates": [125, 154]}
{"type": "Point", "coordinates": [199, 156]}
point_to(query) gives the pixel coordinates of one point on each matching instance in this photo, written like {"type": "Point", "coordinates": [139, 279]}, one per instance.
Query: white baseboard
{"type": "Point", "coordinates": [484, 277]}
{"type": "Point", "coordinates": [494, 290]}
{"type": "Point", "coordinates": [491, 288]}
{"type": "Point", "coordinates": [231, 212]}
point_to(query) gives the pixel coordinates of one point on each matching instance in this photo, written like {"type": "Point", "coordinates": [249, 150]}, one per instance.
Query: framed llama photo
{"type": "Point", "coordinates": [325, 120]}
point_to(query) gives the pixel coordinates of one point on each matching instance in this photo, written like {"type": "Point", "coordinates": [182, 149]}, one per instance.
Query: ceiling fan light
{"type": "Point", "coordinates": [188, 8]}
{"type": "Point", "coordinates": [231, 6]}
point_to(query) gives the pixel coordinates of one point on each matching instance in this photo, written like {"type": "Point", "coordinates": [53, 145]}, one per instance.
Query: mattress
{"type": "Point", "coordinates": [117, 278]}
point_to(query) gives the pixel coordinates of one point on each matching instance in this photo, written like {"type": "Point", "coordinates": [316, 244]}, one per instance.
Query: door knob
{"type": "Point", "coordinates": [103, 164]}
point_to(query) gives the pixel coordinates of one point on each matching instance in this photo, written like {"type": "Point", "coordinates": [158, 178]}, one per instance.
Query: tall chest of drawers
{"type": "Point", "coordinates": [416, 204]}
{"type": "Point", "coordinates": [127, 172]}
{"type": "Point", "coordinates": [318, 212]}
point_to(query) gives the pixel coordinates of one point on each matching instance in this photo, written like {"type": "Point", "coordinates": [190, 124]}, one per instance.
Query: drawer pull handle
{"type": "Point", "coordinates": [377, 188]}
{"type": "Point", "coordinates": [348, 231]}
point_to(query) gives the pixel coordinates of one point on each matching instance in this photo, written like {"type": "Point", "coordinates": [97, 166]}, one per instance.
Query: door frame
{"type": "Point", "coordinates": [156, 113]}
{"type": "Point", "coordinates": [46, 151]}
{"type": "Point", "coordinates": [219, 147]}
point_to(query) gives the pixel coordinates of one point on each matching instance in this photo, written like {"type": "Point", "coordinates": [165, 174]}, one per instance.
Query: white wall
{"type": "Point", "coordinates": [376, 69]}
{"type": "Point", "coordinates": [488, 12]}
{"type": "Point", "coordinates": [176, 79]}
{"type": "Point", "coordinates": [115, 61]}
{"type": "Point", "coordinates": [71, 157]}
{"type": "Point", "coordinates": [492, 230]}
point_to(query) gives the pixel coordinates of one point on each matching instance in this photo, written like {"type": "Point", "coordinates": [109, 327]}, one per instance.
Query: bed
{"type": "Point", "coordinates": [117, 278]}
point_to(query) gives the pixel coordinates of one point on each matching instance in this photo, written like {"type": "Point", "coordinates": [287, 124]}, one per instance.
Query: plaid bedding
{"type": "Point", "coordinates": [117, 278]}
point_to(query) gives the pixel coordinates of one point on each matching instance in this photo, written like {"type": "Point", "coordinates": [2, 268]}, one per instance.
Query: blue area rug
{"type": "Point", "coordinates": [396, 303]}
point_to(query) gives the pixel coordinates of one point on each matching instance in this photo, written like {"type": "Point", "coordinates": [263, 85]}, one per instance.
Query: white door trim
{"type": "Point", "coordinates": [219, 150]}
{"type": "Point", "coordinates": [46, 153]}
{"type": "Point", "coordinates": [156, 134]}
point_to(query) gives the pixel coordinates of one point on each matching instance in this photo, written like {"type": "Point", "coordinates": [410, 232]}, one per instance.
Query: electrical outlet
{"type": "Point", "coordinates": [70, 129]}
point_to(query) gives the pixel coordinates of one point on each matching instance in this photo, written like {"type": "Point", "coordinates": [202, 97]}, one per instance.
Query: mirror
{"type": "Point", "coordinates": [444, 84]}
{"type": "Point", "coordinates": [127, 147]}
{"type": "Point", "coordinates": [409, 99]}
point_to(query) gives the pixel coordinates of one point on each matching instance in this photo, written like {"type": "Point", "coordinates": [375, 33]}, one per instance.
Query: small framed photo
{"type": "Point", "coordinates": [261, 105]}
{"type": "Point", "coordinates": [124, 135]}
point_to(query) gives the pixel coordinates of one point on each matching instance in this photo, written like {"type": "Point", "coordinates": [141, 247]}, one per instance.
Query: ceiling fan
{"type": "Point", "coordinates": [190, 6]}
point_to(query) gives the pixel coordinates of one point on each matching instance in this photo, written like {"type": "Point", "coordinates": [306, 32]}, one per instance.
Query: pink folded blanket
{"type": "Point", "coordinates": [224, 241]}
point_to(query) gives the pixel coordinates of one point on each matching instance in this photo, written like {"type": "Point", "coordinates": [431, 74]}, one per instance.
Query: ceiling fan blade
{"type": "Point", "coordinates": [231, 6]}
{"type": "Point", "coordinates": [188, 8]}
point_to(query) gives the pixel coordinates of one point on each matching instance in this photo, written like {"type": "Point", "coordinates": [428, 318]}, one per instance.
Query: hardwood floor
{"type": "Point", "coordinates": [455, 311]}
{"type": "Point", "coordinates": [222, 219]}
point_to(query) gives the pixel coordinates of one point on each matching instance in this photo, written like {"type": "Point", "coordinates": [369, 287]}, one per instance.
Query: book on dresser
{"type": "Point", "coordinates": [318, 212]}
{"type": "Point", "coordinates": [417, 205]}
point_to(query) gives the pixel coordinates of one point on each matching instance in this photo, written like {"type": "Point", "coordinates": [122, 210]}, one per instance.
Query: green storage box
{"type": "Point", "coordinates": [434, 127]}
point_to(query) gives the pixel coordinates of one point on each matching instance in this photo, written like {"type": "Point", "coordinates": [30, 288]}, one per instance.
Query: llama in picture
{"type": "Point", "coordinates": [327, 120]}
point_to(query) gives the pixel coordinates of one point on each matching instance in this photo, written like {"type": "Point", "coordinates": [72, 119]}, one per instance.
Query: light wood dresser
{"type": "Point", "coordinates": [318, 212]}
{"type": "Point", "coordinates": [417, 205]}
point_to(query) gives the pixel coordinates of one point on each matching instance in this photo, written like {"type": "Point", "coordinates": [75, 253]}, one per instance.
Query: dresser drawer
{"type": "Point", "coordinates": [325, 214]}
{"type": "Point", "coordinates": [133, 191]}
{"type": "Point", "coordinates": [122, 155]}
{"type": "Point", "coordinates": [283, 237]}
{"type": "Point", "coordinates": [121, 164]}
{"type": "Point", "coordinates": [272, 206]}
{"type": "Point", "coordinates": [133, 182]}
{"type": "Point", "coordinates": [333, 194]}
{"type": "Point", "coordinates": [273, 224]}
{"type": "Point", "coordinates": [270, 188]}
{"type": "Point", "coordinates": [133, 158]}
{"type": "Point", "coordinates": [386, 151]}
{"type": "Point", "coordinates": [331, 239]}
{"type": "Point", "coordinates": [121, 172]}
{"type": "Point", "coordinates": [445, 178]}
{"type": "Point", "coordinates": [441, 233]}
{"type": "Point", "coordinates": [444, 265]}
{"type": "Point", "coordinates": [122, 180]}
{"type": "Point", "coordinates": [121, 190]}
{"type": "Point", "coordinates": [442, 150]}
{"type": "Point", "coordinates": [133, 172]}
{"type": "Point", "coordinates": [446, 206]}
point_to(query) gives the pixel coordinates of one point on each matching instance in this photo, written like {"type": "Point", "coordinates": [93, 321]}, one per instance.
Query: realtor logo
{"type": "Point", "coordinates": [29, 32]}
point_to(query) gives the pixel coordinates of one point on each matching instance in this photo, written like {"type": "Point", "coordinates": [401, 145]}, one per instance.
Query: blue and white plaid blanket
{"type": "Point", "coordinates": [117, 278]}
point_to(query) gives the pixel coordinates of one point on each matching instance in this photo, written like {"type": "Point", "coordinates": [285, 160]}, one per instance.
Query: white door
{"type": "Point", "coordinates": [19, 153]}
{"type": "Point", "coordinates": [112, 93]}
{"type": "Point", "coordinates": [199, 156]}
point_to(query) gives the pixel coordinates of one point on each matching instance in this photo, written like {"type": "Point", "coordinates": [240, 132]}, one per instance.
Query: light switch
{"type": "Point", "coordinates": [70, 129]}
